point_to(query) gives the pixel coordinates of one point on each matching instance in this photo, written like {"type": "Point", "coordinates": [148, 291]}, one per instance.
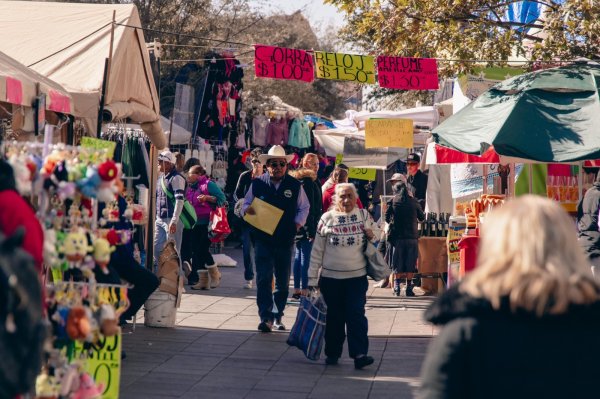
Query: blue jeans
{"type": "Point", "coordinates": [271, 260]}
{"type": "Point", "coordinates": [161, 235]}
{"type": "Point", "coordinates": [301, 263]}
{"type": "Point", "coordinates": [346, 300]}
{"type": "Point", "coordinates": [247, 249]}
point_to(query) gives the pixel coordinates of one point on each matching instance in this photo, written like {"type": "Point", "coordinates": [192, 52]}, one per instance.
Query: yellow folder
{"type": "Point", "coordinates": [266, 217]}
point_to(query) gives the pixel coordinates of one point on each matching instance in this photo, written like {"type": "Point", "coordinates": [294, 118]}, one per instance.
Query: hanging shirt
{"type": "Point", "coordinates": [259, 129]}
{"type": "Point", "coordinates": [277, 132]}
{"type": "Point", "coordinates": [299, 135]}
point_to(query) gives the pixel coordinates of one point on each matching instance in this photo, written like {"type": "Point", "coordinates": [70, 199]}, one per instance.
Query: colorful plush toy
{"type": "Point", "coordinates": [75, 247]}
{"type": "Point", "coordinates": [90, 184]}
{"type": "Point", "coordinates": [109, 324]}
{"type": "Point", "coordinates": [88, 388]}
{"type": "Point", "coordinates": [102, 251]}
{"type": "Point", "coordinates": [78, 323]}
{"type": "Point", "coordinates": [108, 170]}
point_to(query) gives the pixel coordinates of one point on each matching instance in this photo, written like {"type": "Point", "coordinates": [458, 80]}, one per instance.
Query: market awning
{"type": "Point", "coordinates": [545, 116]}
{"type": "Point", "coordinates": [18, 86]}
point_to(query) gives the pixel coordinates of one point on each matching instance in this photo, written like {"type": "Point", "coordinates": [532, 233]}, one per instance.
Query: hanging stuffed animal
{"type": "Point", "coordinates": [75, 247]}
{"type": "Point", "coordinates": [88, 388]}
{"type": "Point", "coordinates": [109, 324]}
{"type": "Point", "coordinates": [90, 183]}
{"type": "Point", "coordinates": [102, 252]}
{"type": "Point", "coordinates": [78, 324]}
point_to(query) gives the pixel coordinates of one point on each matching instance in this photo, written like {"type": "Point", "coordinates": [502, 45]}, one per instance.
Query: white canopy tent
{"type": "Point", "coordinates": [69, 42]}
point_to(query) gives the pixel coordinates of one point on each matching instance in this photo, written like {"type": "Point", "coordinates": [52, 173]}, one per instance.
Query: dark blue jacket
{"type": "Point", "coordinates": [285, 198]}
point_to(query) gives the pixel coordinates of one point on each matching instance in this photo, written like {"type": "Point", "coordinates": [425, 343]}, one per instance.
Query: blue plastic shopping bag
{"type": "Point", "coordinates": [308, 332]}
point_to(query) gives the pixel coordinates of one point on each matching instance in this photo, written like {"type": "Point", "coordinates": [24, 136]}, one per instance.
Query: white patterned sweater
{"type": "Point", "coordinates": [338, 248]}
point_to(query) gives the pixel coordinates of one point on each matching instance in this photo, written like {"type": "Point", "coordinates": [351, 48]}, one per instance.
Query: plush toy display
{"type": "Point", "coordinates": [109, 324]}
{"type": "Point", "coordinates": [88, 388]}
{"type": "Point", "coordinates": [75, 247]}
{"type": "Point", "coordinates": [78, 324]}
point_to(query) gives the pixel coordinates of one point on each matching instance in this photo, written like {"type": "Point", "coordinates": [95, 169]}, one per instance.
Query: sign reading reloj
{"type": "Point", "coordinates": [337, 66]}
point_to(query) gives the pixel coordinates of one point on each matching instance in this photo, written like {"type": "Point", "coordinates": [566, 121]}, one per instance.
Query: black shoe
{"type": "Point", "coordinates": [331, 361]}
{"type": "Point", "coordinates": [265, 326]}
{"type": "Point", "coordinates": [397, 291]}
{"type": "Point", "coordinates": [123, 355]}
{"type": "Point", "coordinates": [363, 361]}
{"type": "Point", "coordinates": [278, 325]}
{"type": "Point", "coordinates": [409, 291]}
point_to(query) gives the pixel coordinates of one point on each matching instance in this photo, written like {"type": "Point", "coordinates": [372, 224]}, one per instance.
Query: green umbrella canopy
{"type": "Point", "coordinates": [551, 115]}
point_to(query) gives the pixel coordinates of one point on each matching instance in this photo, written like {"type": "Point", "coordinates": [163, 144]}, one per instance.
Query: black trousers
{"type": "Point", "coordinates": [143, 280]}
{"type": "Point", "coordinates": [346, 300]}
{"type": "Point", "coordinates": [199, 250]}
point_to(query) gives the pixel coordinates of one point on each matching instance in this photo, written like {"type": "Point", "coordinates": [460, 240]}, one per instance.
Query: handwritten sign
{"type": "Point", "coordinates": [358, 173]}
{"type": "Point", "coordinates": [14, 91]}
{"type": "Point", "coordinates": [99, 144]}
{"type": "Point", "coordinates": [103, 363]}
{"type": "Point", "coordinates": [403, 73]}
{"type": "Point", "coordinates": [337, 66]}
{"type": "Point", "coordinates": [283, 63]}
{"type": "Point", "coordinates": [389, 133]}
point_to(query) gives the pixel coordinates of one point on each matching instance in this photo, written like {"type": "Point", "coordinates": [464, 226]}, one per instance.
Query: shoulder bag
{"type": "Point", "coordinates": [188, 213]}
{"type": "Point", "coordinates": [377, 267]}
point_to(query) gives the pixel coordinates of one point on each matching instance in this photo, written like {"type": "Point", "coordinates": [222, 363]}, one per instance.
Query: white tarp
{"type": "Point", "coordinates": [69, 42]}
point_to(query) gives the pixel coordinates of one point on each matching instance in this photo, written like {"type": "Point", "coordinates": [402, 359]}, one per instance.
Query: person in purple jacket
{"type": "Point", "coordinates": [204, 195]}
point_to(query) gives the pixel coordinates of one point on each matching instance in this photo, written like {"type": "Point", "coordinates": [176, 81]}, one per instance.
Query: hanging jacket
{"type": "Point", "coordinates": [299, 134]}
{"type": "Point", "coordinates": [277, 132]}
{"type": "Point", "coordinates": [259, 130]}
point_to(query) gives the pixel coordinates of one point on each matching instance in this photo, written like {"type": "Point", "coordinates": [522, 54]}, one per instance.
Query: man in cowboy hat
{"type": "Point", "coordinates": [273, 253]}
{"type": "Point", "coordinates": [168, 207]}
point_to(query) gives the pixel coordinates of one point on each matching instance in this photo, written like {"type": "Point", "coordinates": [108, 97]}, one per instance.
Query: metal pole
{"type": "Point", "coordinates": [151, 208]}
{"type": "Point", "coordinates": [171, 127]}
{"type": "Point", "coordinates": [102, 98]}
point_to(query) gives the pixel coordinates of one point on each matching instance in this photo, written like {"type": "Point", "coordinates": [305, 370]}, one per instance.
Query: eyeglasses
{"type": "Point", "coordinates": [280, 164]}
{"type": "Point", "coordinates": [255, 161]}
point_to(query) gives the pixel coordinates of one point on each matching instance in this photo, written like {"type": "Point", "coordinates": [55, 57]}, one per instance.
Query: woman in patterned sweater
{"type": "Point", "coordinates": [338, 254]}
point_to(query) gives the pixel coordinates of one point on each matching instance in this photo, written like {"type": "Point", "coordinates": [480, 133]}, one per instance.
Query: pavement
{"type": "Point", "coordinates": [215, 350]}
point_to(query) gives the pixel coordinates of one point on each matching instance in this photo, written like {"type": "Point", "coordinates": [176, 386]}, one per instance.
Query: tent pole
{"type": "Point", "coordinates": [151, 208]}
{"type": "Point", "coordinates": [580, 181]}
{"type": "Point", "coordinates": [485, 177]}
{"type": "Point", "coordinates": [102, 98]}
{"type": "Point", "coordinates": [530, 175]}
{"type": "Point", "coordinates": [171, 127]}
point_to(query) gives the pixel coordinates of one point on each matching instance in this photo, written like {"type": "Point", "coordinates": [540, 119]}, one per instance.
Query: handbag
{"type": "Point", "coordinates": [188, 213]}
{"type": "Point", "coordinates": [218, 226]}
{"type": "Point", "coordinates": [308, 332]}
{"type": "Point", "coordinates": [377, 267]}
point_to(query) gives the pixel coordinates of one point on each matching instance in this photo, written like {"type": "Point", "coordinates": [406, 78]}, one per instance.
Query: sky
{"type": "Point", "coordinates": [318, 14]}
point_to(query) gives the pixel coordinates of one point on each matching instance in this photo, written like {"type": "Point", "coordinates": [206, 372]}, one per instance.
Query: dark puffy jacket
{"type": "Point", "coordinates": [308, 178]}
{"type": "Point", "coordinates": [497, 354]}
{"type": "Point", "coordinates": [404, 217]}
{"type": "Point", "coordinates": [587, 221]}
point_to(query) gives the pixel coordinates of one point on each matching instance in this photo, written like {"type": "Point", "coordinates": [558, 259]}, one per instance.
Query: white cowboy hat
{"type": "Point", "coordinates": [276, 151]}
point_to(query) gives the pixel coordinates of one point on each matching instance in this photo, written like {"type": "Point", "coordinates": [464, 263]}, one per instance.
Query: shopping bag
{"type": "Point", "coordinates": [308, 332]}
{"type": "Point", "coordinates": [218, 226]}
{"type": "Point", "coordinates": [377, 267]}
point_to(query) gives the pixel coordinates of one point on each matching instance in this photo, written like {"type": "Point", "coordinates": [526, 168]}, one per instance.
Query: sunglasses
{"type": "Point", "coordinates": [280, 164]}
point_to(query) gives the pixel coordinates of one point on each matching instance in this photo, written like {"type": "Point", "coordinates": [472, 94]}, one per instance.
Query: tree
{"type": "Point", "coordinates": [472, 30]}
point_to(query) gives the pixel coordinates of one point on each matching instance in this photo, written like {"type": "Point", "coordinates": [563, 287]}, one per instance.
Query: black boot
{"type": "Point", "coordinates": [409, 288]}
{"type": "Point", "coordinates": [397, 287]}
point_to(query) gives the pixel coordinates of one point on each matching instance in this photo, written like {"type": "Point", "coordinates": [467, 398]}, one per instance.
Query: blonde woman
{"type": "Point", "coordinates": [525, 322]}
{"type": "Point", "coordinates": [338, 257]}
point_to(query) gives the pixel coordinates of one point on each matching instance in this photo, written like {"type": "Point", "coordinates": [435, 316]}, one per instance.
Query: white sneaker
{"type": "Point", "coordinates": [418, 291]}
{"type": "Point", "coordinates": [248, 285]}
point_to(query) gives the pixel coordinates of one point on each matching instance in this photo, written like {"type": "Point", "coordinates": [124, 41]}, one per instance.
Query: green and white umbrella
{"type": "Point", "coordinates": [551, 115]}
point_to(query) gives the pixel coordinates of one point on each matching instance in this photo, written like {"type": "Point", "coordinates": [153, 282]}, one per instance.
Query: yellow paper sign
{"type": "Point", "coordinates": [99, 144]}
{"type": "Point", "coordinates": [358, 173]}
{"type": "Point", "coordinates": [103, 364]}
{"type": "Point", "coordinates": [389, 133]}
{"type": "Point", "coordinates": [337, 66]}
{"type": "Point", "coordinates": [266, 216]}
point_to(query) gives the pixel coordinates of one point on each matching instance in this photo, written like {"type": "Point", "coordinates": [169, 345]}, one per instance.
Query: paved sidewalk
{"type": "Point", "coordinates": [216, 352]}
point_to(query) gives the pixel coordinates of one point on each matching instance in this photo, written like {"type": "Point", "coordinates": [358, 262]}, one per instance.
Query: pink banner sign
{"type": "Point", "coordinates": [59, 102]}
{"type": "Point", "coordinates": [283, 63]}
{"type": "Point", "coordinates": [403, 73]}
{"type": "Point", "coordinates": [14, 91]}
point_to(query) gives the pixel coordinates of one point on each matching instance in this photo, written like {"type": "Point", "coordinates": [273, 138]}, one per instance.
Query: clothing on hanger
{"type": "Point", "coordinates": [259, 130]}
